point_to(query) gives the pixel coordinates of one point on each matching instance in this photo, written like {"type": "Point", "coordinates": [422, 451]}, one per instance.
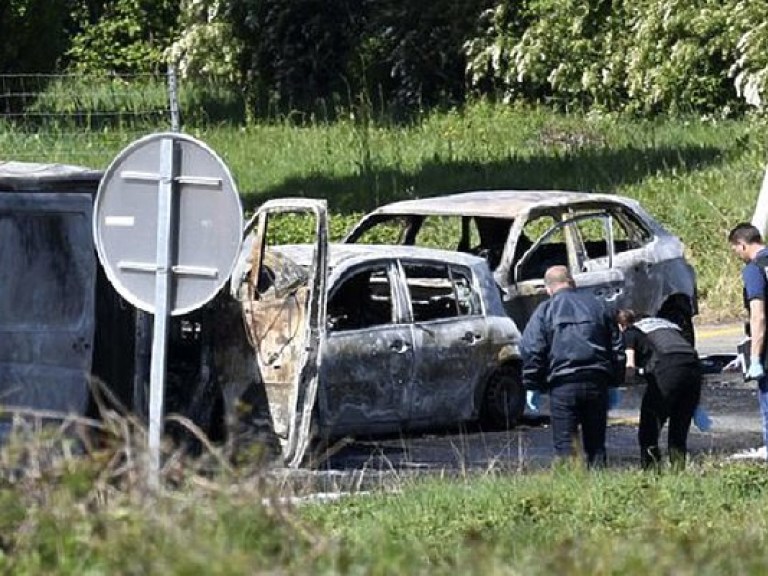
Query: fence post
{"type": "Point", "coordinates": [173, 98]}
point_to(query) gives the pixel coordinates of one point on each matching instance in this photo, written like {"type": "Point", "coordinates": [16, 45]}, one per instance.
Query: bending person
{"type": "Point", "coordinates": [673, 373]}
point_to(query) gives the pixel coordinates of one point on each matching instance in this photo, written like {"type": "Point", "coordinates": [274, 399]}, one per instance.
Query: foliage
{"type": "Point", "coordinates": [413, 52]}
{"type": "Point", "coordinates": [393, 58]}
{"type": "Point", "coordinates": [206, 47]}
{"type": "Point", "coordinates": [563, 521]}
{"type": "Point", "coordinates": [309, 55]}
{"type": "Point", "coordinates": [646, 57]}
{"type": "Point", "coordinates": [552, 50]}
{"type": "Point", "coordinates": [92, 514]}
{"type": "Point", "coordinates": [678, 58]}
{"type": "Point", "coordinates": [295, 52]}
{"type": "Point", "coordinates": [23, 23]}
{"type": "Point", "coordinates": [750, 68]}
{"type": "Point", "coordinates": [122, 36]}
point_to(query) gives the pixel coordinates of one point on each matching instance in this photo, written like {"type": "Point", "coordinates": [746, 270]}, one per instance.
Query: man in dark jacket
{"type": "Point", "coordinates": [573, 349]}
{"type": "Point", "coordinates": [672, 371]}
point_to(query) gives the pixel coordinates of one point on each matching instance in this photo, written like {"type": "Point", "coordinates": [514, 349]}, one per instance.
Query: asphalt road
{"type": "Point", "coordinates": [362, 463]}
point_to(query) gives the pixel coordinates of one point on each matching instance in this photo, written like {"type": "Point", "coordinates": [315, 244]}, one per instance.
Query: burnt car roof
{"type": "Point", "coordinates": [338, 254]}
{"type": "Point", "coordinates": [32, 176]}
{"type": "Point", "coordinates": [497, 203]}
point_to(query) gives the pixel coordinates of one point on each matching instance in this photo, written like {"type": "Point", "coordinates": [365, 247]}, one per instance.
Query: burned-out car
{"type": "Point", "coordinates": [613, 247]}
{"type": "Point", "coordinates": [369, 339]}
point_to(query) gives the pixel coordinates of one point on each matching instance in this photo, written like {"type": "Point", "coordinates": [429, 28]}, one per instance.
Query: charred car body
{"type": "Point", "coordinates": [613, 247]}
{"type": "Point", "coordinates": [65, 333]}
{"type": "Point", "coordinates": [370, 339]}
{"type": "Point", "coordinates": [317, 341]}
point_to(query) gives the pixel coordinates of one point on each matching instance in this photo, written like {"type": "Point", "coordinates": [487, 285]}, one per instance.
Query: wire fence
{"type": "Point", "coordinates": [79, 119]}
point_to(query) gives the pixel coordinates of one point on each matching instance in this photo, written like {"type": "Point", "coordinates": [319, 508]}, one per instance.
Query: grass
{"type": "Point", "coordinates": [62, 513]}
{"type": "Point", "coordinates": [561, 522]}
{"type": "Point", "coordinates": [698, 177]}
{"type": "Point", "coordinates": [65, 512]}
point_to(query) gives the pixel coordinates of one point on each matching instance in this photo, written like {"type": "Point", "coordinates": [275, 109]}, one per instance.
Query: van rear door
{"type": "Point", "coordinates": [47, 278]}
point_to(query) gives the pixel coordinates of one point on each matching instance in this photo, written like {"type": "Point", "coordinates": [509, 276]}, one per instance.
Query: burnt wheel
{"type": "Point", "coordinates": [504, 399]}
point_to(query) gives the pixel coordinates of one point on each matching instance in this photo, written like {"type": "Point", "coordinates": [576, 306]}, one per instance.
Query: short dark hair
{"type": "Point", "coordinates": [745, 232]}
{"type": "Point", "coordinates": [626, 317]}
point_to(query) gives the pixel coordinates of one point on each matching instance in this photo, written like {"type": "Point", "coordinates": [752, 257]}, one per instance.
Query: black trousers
{"type": "Point", "coordinates": [575, 404]}
{"type": "Point", "coordinates": [672, 393]}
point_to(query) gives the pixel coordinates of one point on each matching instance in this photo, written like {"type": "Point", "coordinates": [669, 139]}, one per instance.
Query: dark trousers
{"type": "Point", "coordinates": [672, 393]}
{"type": "Point", "coordinates": [575, 404]}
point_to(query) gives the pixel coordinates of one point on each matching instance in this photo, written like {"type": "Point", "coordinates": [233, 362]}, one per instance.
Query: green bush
{"type": "Point", "coordinates": [645, 57]}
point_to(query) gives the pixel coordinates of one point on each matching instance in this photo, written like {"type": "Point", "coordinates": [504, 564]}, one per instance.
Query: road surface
{"type": "Point", "coordinates": [364, 463]}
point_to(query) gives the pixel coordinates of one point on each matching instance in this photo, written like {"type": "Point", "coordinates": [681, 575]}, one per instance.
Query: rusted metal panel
{"type": "Point", "coordinates": [277, 330]}
{"type": "Point", "coordinates": [286, 321]}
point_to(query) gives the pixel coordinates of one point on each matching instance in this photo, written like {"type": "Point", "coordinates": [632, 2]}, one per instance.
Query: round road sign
{"type": "Point", "coordinates": [167, 205]}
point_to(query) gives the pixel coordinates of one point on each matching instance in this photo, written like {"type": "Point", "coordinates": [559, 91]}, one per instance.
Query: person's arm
{"type": "Point", "coordinates": [534, 350]}
{"type": "Point", "coordinates": [631, 367]}
{"type": "Point", "coordinates": [619, 352]}
{"type": "Point", "coordinates": [631, 342]}
{"type": "Point", "coordinates": [754, 293]}
{"type": "Point", "coordinates": [757, 326]}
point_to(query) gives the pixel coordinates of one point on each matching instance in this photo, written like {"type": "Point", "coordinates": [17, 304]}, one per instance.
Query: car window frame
{"type": "Point", "coordinates": [474, 282]}
{"type": "Point", "coordinates": [398, 314]}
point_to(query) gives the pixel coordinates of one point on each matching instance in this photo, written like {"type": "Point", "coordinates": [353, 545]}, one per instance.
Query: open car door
{"type": "Point", "coordinates": [283, 305]}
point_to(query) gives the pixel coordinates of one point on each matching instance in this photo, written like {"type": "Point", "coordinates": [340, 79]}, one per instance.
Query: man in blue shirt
{"type": "Point", "coordinates": [747, 243]}
{"type": "Point", "coordinates": [572, 348]}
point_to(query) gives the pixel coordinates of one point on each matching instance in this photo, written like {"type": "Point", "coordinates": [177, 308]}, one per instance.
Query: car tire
{"type": "Point", "coordinates": [504, 399]}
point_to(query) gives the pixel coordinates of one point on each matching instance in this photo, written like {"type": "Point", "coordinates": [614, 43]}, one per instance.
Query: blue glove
{"type": "Point", "coordinates": [755, 371]}
{"type": "Point", "coordinates": [532, 398]}
{"type": "Point", "coordinates": [701, 419]}
{"type": "Point", "coordinates": [614, 397]}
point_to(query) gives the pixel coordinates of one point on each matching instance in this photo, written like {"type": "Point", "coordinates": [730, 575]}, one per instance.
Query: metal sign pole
{"type": "Point", "coordinates": [162, 308]}
{"type": "Point", "coordinates": [168, 237]}
{"type": "Point", "coordinates": [173, 98]}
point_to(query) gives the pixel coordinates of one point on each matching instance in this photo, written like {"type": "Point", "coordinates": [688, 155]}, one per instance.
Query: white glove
{"type": "Point", "coordinates": [701, 419]}
{"type": "Point", "coordinates": [532, 398]}
{"type": "Point", "coordinates": [733, 366]}
{"type": "Point", "coordinates": [755, 371]}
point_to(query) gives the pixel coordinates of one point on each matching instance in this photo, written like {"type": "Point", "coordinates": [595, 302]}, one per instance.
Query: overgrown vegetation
{"type": "Point", "coordinates": [62, 513]}
{"type": "Point", "coordinates": [643, 57]}
{"type": "Point", "coordinates": [698, 177]}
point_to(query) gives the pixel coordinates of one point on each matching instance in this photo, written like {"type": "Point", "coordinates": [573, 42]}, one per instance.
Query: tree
{"type": "Point", "coordinates": [122, 36]}
{"type": "Point", "coordinates": [23, 23]}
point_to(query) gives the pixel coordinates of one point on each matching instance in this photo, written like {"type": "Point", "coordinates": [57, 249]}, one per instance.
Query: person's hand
{"type": "Point", "coordinates": [532, 398]}
{"type": "Point", "coordinates": [733, 366]}
{"type": "Point", "coordinates": [614, 397]}
{"type": "Point", "coordinates": [701, 419]}
{"type": "Point", "coordinates": [756, 370]}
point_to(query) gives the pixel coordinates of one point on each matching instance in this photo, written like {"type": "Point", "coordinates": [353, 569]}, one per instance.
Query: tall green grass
{"type": "Point", "coordinates": [698, 177]}
{"type": "Point", "coordinates": [61, 514]}
{"type": "Point", "coordinates": [566, 521]}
